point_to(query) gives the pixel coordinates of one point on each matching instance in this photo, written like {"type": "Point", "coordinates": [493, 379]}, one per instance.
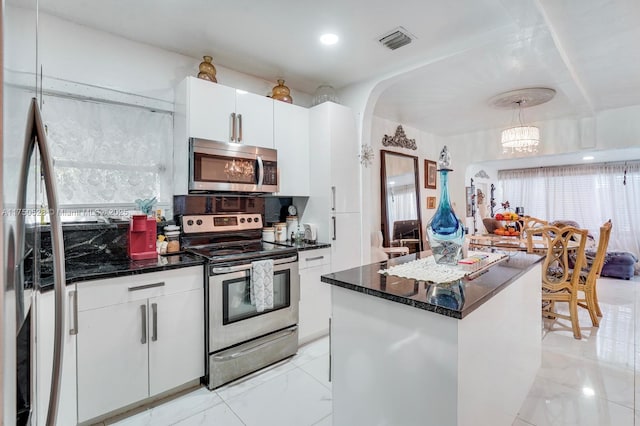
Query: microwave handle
{"type": "Point", "coordinates": [260, 170]}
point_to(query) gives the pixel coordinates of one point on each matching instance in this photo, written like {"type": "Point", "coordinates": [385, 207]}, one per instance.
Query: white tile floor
{"type": "Point", "coordinates": [593, 381]}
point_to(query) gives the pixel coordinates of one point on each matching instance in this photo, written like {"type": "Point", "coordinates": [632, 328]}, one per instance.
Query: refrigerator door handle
{"type": "Point", "coordinates": [36, 134]}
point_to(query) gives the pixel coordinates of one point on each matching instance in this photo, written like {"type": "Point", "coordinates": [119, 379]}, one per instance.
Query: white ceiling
{"type": "Point", "coordinates": [466, 51]}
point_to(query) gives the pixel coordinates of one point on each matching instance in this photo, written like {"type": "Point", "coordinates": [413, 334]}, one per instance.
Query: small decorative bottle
{"type": "Point", "coordinates": [445, 230]}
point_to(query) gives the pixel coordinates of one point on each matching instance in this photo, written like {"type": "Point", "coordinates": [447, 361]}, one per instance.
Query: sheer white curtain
{"type": "Point", "coordinates": [109, 154]}
{"type": "Point", "coordinates": [402, 203]}
{"type": "Point", "coordinates": [588, 194]}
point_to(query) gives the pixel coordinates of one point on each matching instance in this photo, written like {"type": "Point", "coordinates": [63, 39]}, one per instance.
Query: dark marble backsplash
{"type": "Point", "coordinates": [83, 243]}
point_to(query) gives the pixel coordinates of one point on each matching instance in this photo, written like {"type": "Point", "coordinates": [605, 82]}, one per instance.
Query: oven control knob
{"type": "Point", "coordinates": [256, 219]}
{"type": "Point", "coordinates": [242, 220]}
{"type": "Point", "coordinates": [190, 222]}
{"type": "Point", "coordinates": [199, 222]}
{"type": "Point", "coordinates": [249, 220]}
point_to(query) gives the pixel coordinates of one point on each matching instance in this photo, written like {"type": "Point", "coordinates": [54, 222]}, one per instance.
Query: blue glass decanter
{"type": "Point", "coordinates": [445, 231]}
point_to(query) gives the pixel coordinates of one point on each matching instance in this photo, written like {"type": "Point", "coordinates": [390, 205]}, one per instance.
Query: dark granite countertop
{"type": "Point", "coordinates": [105, 267]}
{"type": "Point", "coordinates": [302, 246]}
{"type": "Point", "coordinates": [456, 299]}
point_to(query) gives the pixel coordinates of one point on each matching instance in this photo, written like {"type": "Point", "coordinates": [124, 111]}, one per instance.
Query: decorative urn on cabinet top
{"type": "Point", "coordinates": [281, 92]}
{"type": "Point", "coordinates": [207, 70]}
{"type": "Point", "coordinates": [445, 231]}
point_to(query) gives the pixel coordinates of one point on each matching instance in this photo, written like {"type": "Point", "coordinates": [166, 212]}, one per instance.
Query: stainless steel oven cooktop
{"type": "Point", "coordinates": [229, 239]}
{"type": "Point", "coordinates": [241, 338]}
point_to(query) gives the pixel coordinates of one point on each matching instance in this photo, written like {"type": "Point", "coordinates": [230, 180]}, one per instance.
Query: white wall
{"type": "Point", "coordinates": [429, 147]}
{"type": "Point", "coordinates": [79, 54]}
{"type": "Point", "coordinates": [610, 129]}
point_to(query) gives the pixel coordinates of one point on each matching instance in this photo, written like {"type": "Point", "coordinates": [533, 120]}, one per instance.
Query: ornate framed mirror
{"type": "Point", "coordinates": [401, 225]}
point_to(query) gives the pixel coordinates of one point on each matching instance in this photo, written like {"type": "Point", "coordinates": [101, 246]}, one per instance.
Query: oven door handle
{"type": "Point", "coordinates": [280, 336]}
{"type": "Point", "coordinates": [247, 266]}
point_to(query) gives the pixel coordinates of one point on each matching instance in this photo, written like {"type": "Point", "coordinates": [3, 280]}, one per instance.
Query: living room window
{"type": "Point", "coordinates": [588, 194]}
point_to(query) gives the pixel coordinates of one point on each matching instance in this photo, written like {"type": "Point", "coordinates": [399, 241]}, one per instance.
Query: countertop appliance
{"type": "Point", "coordinates": [218, 167]}
{"type": "Point", "coordinates": [310, 232]}
{"type": "Point", "coordinates": [239, 339]}
{"type": "Point", "coordinates": [141, 243]}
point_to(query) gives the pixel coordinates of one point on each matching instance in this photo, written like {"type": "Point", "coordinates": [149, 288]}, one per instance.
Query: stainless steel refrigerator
{"type": "Point", "coordinates": [28, 183]}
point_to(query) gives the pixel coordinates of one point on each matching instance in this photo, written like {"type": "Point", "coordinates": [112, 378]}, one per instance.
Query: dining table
{"type": "Point", "coordinates": [512, 243]}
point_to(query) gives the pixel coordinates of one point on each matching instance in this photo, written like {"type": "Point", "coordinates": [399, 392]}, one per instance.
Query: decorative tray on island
{"type": "Point", "coordinates": [426, 269]}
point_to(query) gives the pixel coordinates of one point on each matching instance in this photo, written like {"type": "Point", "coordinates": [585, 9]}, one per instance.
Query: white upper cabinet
{"type": "Point", "coordinates": [334, 163]}
{"type": "Point", "coordinates": [334, 204]}
{"type": "Point", "coordinates": [217, 112]}
{"type": "Point", "coordinates": [291, 134]}
{"type": "Point", "coordinates": [254, 116]}
{"type": "Point", "coordinates": [209, 110]}
{"type": "Point", "coordinates": [345, 166]}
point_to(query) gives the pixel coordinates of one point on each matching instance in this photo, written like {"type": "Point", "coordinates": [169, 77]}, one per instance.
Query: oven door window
{"type": "Point", "coordinates": [213, 168]}
{"type": "Point", "coordinates": [237, 301]}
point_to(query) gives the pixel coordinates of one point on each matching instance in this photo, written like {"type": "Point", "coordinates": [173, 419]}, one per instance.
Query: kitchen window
{"type": "Point", "coordinates": [107, 154]}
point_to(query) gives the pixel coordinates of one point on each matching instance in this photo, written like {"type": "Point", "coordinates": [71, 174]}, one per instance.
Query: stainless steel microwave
{"type": "Point", "coordinates": [219, 166]}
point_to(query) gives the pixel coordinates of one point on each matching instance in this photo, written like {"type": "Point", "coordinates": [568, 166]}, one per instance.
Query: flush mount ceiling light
{"type": "Point", "coordinates": [520, 138]}
{"type": "Point", "coordinates": [329, 39]}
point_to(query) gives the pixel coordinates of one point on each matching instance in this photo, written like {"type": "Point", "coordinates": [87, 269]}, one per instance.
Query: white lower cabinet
{"type": "Point", "coordinates": [112, 362]}
{"type": "Point", "coordinates": [315, 296]}
{"type": "Point", "coordinates": [44, 337]}
{"type": "Point", "coordinates": [172, 353]}
{"type": "Point", "coordinates": [138, 336]}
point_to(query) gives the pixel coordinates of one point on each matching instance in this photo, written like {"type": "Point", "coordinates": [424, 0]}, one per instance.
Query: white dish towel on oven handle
{"type": "Point", "coordinates": [261, 286]}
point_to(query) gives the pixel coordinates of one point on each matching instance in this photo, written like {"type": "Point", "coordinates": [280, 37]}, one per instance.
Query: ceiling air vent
{"type": "Point", "coordinates": [396, 38]}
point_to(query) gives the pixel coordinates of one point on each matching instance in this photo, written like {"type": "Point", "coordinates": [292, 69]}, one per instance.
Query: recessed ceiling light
{"type": "Point", "coordinates": [328, 39]}
{"type": "Point", "coordinates": [588, 391]}
{"type": "Point", "coordinates": [588, 157]}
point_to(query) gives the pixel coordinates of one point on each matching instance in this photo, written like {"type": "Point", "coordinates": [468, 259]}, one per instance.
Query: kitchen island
{"type": "Point", "coordinates": [409, 352]}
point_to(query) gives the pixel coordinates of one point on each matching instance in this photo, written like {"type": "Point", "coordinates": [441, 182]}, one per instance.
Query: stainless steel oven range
{"type": "Point", "coordinates": [239, 339]}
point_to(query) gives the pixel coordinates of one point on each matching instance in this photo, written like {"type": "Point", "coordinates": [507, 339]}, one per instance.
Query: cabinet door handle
{"type": "Point", "coordinates": [233, 127]}
{"type": "Point", "coordinates": [333, 199]}
{"type": "Point", "coordinates": [330, 358]}
{"type": "Point", "coordinates": [333, 218]}
{"type": "Point", "coordinates": [154, 314]}
{"type": "Point", "coordinates": [73, 296]}
{"type": "Point", "coordinates": [143, 315]}
{"type": "Point", "coordinates": [239, 128]}
{"type": "Point", "coordinates": [146, 286]}
{"type": "Point", "coordinates": [309, 259]}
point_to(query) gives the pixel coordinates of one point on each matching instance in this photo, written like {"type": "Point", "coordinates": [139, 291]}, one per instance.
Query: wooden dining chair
{"type": "Point", "coordinates": [559, 284]}
{"type": "Point", "coordinates": [530, 222]}
{"type": "Point", "coordinates": [589, 276]}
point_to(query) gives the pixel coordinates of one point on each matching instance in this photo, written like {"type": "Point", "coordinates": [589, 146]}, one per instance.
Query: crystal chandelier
{"type": "Point", "coordinates": [520, 138]}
